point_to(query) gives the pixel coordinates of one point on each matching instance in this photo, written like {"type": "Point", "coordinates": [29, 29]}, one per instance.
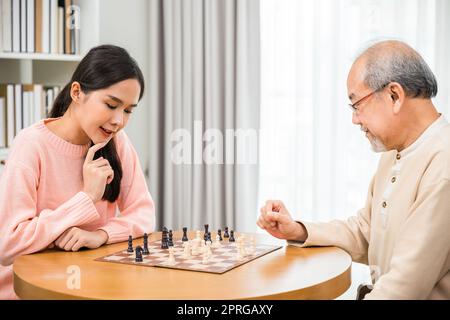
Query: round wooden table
{"type": "Point", "coordinates": [287, 273]}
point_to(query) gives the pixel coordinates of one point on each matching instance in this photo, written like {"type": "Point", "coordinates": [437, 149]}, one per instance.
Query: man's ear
{"type": "Point", "coordinates": [397, 96]}
{"type": "Point", "coordinates": [75, 92]}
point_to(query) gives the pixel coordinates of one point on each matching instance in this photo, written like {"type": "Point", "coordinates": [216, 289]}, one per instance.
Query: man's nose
{"type": "Point", "coordinates": [355, 119]}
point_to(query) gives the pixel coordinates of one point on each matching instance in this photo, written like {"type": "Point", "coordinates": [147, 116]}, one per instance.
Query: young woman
{"type": "Point", "coordinates": [67, 176]}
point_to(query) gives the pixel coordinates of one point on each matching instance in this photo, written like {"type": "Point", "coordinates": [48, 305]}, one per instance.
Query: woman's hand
{"type": "Point", "coordinates": [96, 173]}
{"type": "Point", "coordinates": [75, 238]}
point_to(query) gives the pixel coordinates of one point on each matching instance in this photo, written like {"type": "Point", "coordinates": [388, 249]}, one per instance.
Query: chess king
{"type": "Point", "coordinates": [66, 176]}
{"type": "Point", "coordinates": [403, 230]}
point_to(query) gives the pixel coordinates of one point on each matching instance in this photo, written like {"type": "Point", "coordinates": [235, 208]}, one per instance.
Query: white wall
{"type": "Point", "coordinates": [125, 23]}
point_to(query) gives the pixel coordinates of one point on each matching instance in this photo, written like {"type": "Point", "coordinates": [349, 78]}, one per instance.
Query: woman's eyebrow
{"type": "Point", "coordinates": [120, 101]}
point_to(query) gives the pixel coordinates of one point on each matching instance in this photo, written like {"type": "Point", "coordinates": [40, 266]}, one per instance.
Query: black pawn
{"type": "Point", "coordinates": [219, 232]}
{"type": "Point", "coordinates": [138, 254]}
{"type": "Point", "coordinates": [170, 242]}
{"type": "Point", "coordinates": [231, 236]}
{"type": "Point", "coordinates": [185, 237]}
{"type": "Point", "coordinates": [146, 252]}
{"type": "Point", "coordinates": [130, 244]}
{"type": "Point", "coordinates": [226, 235]}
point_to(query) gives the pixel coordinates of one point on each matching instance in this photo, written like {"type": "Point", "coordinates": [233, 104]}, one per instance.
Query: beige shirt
{"type": "Point", "coordinates": [403, 232]}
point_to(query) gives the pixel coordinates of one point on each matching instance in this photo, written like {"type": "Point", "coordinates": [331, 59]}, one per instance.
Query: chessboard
{"type": "Point", "coordinates": [222, 260]}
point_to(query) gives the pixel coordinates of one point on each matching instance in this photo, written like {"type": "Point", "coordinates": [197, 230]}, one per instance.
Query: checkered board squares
{"type": "Point", "coordinates": [222, 260]}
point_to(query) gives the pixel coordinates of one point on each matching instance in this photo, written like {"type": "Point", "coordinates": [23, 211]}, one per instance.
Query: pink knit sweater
{"type": "Point", "coordinates": [41, 197]}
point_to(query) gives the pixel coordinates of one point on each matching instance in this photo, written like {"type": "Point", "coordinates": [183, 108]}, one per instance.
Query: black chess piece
{"type": "Point", "coordinates": [130, 244]}
{"type": "Point", "coordinates": [226, 235]}
{"type": "Point", "coordinates": [146, 251]}
{"type": "Point", "coordinates": [170, 242]}
{"type": "Point", "coordinates": [164, 240]}
{"type": "Point", "coordinates": [185, 237]}
{"type": "Point", "coordinates": [231, 236]}
{"type": "Point", "coordinates": [138, 254]}
{"type": "Point", "coordinates": [219, 232]}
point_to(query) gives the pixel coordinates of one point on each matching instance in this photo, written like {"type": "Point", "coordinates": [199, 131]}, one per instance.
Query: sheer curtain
{"type": "Point", "coordinates": [311, 156]}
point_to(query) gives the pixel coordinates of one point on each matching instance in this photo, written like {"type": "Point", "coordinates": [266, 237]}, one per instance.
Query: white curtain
{"type": "Point", "coordinates": [311, 155]}
{"type": "Point", "coordinates": [204, 74]}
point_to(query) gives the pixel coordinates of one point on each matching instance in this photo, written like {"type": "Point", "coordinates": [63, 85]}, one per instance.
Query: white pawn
{"type": "Point", "coordinates": [208, 249]}
{"type": "Point", "coordinates": [205, 258]}
{"type": "Point", "coordinates": [171, 261]}
{"type": "Point", "coordinates": [251, 249]}
{"type": "Point", "coordinates": [187, 250]}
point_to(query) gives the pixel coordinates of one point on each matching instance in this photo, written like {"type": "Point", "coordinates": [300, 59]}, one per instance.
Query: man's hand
{"type": "Point", "coordinates": [75, 238]}
{"type": "Point", "coordinates": [277, 221]}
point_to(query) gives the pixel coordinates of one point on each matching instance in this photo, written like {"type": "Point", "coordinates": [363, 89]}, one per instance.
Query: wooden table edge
{"type": "Point", "coordinates": [341, 283]}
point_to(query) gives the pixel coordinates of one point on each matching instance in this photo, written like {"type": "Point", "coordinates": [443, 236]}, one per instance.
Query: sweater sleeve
{"type": "Point", "coordinates": [23, 230]}
{"type": "Point", "coordinates": [352, 234]}
{"type": "Point", "coordinates": [421, 249]}
{"type": "Point", "coordinates": [137, 210]}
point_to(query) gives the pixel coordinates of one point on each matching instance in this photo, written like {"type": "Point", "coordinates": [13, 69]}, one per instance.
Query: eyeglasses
{"type": "Point", "coordinates": [354, 107]}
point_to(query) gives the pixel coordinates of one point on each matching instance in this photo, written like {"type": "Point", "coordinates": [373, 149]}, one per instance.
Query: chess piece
{"type": "Point", "coordinates": [231, 239]}
{"type": "Point", "coordinates": [205, 258]}
{"type": "Point", "coordinates": [170, 242]}
{"type": "Point", "coordinates": [226, 235]}
{"type": "Point", "coordinates": [208, 249]}
{"type": "Point", "coordinates": [186, 250]}
{"type": "Point", "coordinates": [216, 244]}
{"type": "Point", "coordinates": [130, 244]}
{"type": "Point", "coordinates": [185, 237]}
{"type": "Point", "coordinates": [171, 260]}
{"type": "Point", "coordinates": [251, 249]}
{"type": "Point", "coordinates": [164, 240]}
{"type": "Point", "coordinates": [146, 251]}
{"type": "Point", "coordinates": [219, 233]}
{"type": "Point", "coordinates": [138, 254]}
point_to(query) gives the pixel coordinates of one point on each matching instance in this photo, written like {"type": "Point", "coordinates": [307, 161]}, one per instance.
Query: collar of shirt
{"type": "Point", "coordinates": [432, 130]}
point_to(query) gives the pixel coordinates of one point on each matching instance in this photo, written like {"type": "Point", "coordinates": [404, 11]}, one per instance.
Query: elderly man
{"type": "Point", "coordinates": [403, 232]}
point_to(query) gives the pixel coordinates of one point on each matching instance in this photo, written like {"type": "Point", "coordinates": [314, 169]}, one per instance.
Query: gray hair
{"type": "Point", "coordinates": [395, 61]}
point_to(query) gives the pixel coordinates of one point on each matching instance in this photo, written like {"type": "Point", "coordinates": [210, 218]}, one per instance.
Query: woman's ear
{"type": "Point", "coordinates": [75, 92]}
{"type": "Point", "coordinates": [397, 96]}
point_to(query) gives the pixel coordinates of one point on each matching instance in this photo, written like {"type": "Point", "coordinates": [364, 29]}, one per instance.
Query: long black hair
{"type": "Point", "coordinates": [102, 67]}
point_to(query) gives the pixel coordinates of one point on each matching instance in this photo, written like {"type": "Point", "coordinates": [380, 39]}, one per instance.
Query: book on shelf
{"type": "Point", "coordinates": [23, 105]}
{"type": "Point", "coordinates": [40, 26]}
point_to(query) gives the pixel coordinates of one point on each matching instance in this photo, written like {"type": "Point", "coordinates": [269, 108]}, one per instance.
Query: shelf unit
{"type": "Point", "coordinates": [98, 26]}
{"type": "Point", "coordinates": [50, 69]}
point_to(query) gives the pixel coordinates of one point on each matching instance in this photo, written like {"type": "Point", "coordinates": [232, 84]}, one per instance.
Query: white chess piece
{"type": "Point", "coordinates": [216, 244]}
{"type": "Point", "coordinates": [187, 250]}
{"type": "Point", "coordinates": [171, 260]}
{"type": "Point", "coordinates": [251, 249]}
{"type": "Point", "coordinates": [208, 249]}
{"type": "Point", "coordinates": [205, 257]}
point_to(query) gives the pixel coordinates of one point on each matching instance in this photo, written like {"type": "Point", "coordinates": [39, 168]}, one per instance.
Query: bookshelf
{"type": "Point", "coordinates": [51, 69]}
